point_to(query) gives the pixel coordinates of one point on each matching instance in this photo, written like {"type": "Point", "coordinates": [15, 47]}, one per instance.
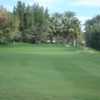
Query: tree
{"type": "Point", "coordinates": [92, 34]}
{"type": "Point", "coordinates": [66, 26]}
{"type": "Point", "coordinates": [33, 21]}
{"type": "Point", "coordinates": [33, 24]}
{"type": "Point", "coordinates": [40, 22]}
{"type": "Point", "coordinates": [5, 26]}
{"type": "Point", "coordinates": [55, 26]}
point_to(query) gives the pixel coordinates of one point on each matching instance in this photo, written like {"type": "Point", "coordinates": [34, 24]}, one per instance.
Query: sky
{"type": "Point", "coordinates": [84, 9]}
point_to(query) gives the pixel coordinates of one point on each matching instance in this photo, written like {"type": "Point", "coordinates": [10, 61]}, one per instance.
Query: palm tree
{"type": "Point", "coordinates": [71, 29]}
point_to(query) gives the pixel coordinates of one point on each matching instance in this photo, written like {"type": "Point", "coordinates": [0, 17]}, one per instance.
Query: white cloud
{"type": "Point", "coordinates": [28, 2]}
{"type": "Point", "coordinates": [83, 19]}
{"type": "Point", "coordinates": [46, 3]}
{"type": "Point", "coordinates": [87, 2]}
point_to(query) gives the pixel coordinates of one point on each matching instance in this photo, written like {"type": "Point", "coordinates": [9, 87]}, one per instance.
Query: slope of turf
{"type": "Point", "coordinates": [49, 73]}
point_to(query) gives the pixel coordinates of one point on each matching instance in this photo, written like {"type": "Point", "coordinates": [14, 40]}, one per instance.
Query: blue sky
{"type": "Point", "coordinates": [84, 9]}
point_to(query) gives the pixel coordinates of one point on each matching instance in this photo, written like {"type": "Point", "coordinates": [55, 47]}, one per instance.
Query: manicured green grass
{"type": "Point", "coordinates": [49, 72]}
